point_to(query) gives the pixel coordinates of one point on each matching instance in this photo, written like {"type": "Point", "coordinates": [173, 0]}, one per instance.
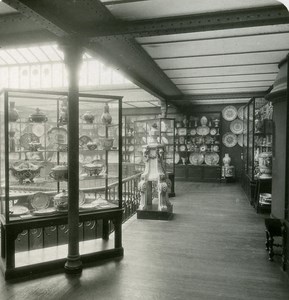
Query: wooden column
{"type": "Point", "coordinates": [72, 57]}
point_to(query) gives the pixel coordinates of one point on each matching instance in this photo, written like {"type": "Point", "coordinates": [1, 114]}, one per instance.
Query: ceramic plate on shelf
{"type": "Point", "coordinates": [182, 148]}
{"type": "Point", "coordinates": [213, 131]}
{"type": "Point", "coordinates": [81, 198]}
{"type": "Point", "coordinates": [18, 210]}
{"type": "Point", "coordinates": [193, 131]}
{"type": "Point", "coordinates": [27, 138]}
{"type": "Point", "coordinates": [45, 211]}
{"type": "Point", "coordinates": [240, 139]}
{"type": "Point", "coordinates": [229, 139]}
{"type": "Point", "coordinates": [229, 113]}
{"type": "Point", "coordinates": [131, 148]}
{"type": "Point", "coordinates": [212, 159]}
{"type": "Point", "coordinates": [241, 112]}
{"type": "Point", "coordinates": [203, 130]}
{"type": "Point", "coordinates": [237, 126]}
{"type": "Point", "coordinates": [164, 140]}
{"type": "Point", "coordinates": [196, 159]}
{"type": "Point", "coordinates": [177, 158]}
{"type": "Point", "coordinates": [83, 140]}
{"type": "Point", "coordinates": [182, 131]}
{"type": "Point", "coordinates": [57, 135]}
{"type": "Point", "coordinates": [40, 201]}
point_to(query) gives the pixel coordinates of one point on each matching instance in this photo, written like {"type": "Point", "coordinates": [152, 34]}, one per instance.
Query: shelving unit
{"type": "Point", "coordinates": [198, 147]}
{"type": "Point", "coordinates": [34, 172]}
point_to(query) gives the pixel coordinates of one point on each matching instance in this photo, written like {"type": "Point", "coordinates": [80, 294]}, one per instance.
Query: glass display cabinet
{"type": "Point", "coordinates": [34, 173]}
{"type": "Point", "coordinates": [257, 150]}
{"type": "Point", "coordinates": [198, 147]}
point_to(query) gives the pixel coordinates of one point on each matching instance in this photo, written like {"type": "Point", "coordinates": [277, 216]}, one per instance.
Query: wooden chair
{"type": "Point", "coordinates": [276, 228]}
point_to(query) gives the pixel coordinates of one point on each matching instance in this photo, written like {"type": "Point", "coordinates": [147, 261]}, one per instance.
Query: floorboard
{"type": "Point", "coordinates": [212, 249]}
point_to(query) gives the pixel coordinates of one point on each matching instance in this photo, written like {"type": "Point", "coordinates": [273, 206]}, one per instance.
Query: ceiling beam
{"type": "Point", "coordinates": [263, 16]}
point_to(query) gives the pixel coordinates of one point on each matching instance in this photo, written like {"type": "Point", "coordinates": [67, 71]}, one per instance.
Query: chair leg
{"type": "Point", "coordinates": [267, 240]}
{"type": "Point", "coordinates": [271, 250]}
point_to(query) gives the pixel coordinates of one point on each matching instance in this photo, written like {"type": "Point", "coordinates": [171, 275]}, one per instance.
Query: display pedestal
{"type": "Point", "coordinates": [151, 212]}
{"type": "Point", "coordinates": [154, 184]}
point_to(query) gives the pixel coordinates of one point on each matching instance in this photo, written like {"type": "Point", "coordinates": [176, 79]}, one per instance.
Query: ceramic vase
{"type": "Point", "coordinates": [13, 114]}
{"type": "Point", "coordinates": [226, 160]}
{"type": "Point", "coordinates": [106, 117]}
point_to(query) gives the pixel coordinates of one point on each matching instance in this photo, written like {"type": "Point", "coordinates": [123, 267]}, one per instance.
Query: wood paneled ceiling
{"type": "Point", "coordinates": [184, 51]}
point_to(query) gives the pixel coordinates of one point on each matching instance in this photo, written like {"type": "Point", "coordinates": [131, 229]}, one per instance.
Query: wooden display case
{"type": "Point", "coordinates": [34, 174]}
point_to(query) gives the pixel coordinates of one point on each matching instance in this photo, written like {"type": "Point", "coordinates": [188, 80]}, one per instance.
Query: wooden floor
{"type": "Point", "coordinates": [212, 249]}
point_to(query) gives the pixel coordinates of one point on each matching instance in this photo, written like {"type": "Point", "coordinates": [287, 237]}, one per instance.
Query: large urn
{"type": "Point", "coordinates": [265, 164]}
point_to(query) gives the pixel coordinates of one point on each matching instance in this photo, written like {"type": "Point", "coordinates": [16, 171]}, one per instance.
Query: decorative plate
{"type": "Point", "coordinates": [83, 140]}
{"type": "Point", "coordinates": [131, 148]}
{"type": "Point", "coordinates": [193, 131]}
{"type": "Point", "coordinates": [182, 131]}
{"type": "Point", "coordinates": [177, 158]}
{"type": "Point", "coordinates": [241, 112]}
{"type": "Point", "coordinates": [240, 140]}
{"type": "Point", "coordinates": [229, 113]}
{"type": "Point", "coordinates": [27, 138]}
{"type": "Point", "coordinates": [216, 148]}
{"type": "Point", "coordinates": [165, 140]}
{"type": "Point", "coordinates": [212, 159]}
{"type": "Point", "coordinates": [57, 135]}
{"type": "Point", "coordinates": [81, 198]}
{"type": "Point", "coordinates": [40, 201]}
{"type": "Point", "coordinates": [229, 139]}
{"type": "Point", "coordinates": [213, 131]}
{"type": "Point", "coordinates": [101, 131]}
{"type": "Point", "coordinates": [196, 159]}
{"type": "Point", "coordinates": [38, 129]}
{"type": "Point", "coordinates": [18, 210]}
{"type": "Point", "coordinates": [182, 148]}
{"type": "Point", "coordinates": [203, 130]}
{"type": "Point", "coordinates": [91, 205]}
{"type": "Point", "coordinates": [203, 148]}
{"type": "Point", "coordinates": [237, 126]}
{"type": "Point", "coordinates": [45, 211]}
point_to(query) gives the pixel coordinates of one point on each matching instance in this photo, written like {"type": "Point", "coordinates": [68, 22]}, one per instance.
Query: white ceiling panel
{"type": "Point", "coordinates": [223, 71]}
{"type": "Point", "coordinates": [220, 46]}
{"type": "Point", "coordinates": [150, 9]}
{"type": "Point", "coordinates": [214, 34]}
{"type": "Point", "coordinates": [228, 79]}
{"type": "Point", "coordinates": [222, 60]}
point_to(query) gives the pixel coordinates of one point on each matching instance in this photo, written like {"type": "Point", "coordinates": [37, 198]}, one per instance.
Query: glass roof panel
{"type": "Point", "coordinates": [51, 53]}
{"type": "Point", "coordinates": [28, 55]}
{"type": "Point", "coordinates": [20, 59]}
{"type": "Point", "coordinates": [7, 58]}
{"type": "Point", "coordinates": [39, 54]}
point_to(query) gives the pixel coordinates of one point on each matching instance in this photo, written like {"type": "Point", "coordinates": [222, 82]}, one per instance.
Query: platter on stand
{"type": "Point", "coordinates": [196, 159]}
{"type": "Point", "coordinates": [229, 139]}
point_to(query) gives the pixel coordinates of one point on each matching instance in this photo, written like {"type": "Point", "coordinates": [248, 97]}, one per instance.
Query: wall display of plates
{"type": "Point", "coordinates": [182, 131]}
{"type": "Point", "coordinates": [40, 201]}
{"type": "Point", "coordinates": [203, 130]}
{"type": "Point", "coordinates": [237, 126]}
{"type": "Point", "coordinates": [229, 139]}
{"type": "Point", "coordinates": [229, 113]}
{"type": "Point", "coordinates": [57, 135]}
{"type": "Point", "coordinates": [27, 138]}
{"type": "Point", "coordinates": [212, 159]}
{"type": "Point", "coordinates": [177, 158]}
{"type": "Point", "coordinates": [240, 140]}
{"type": "Point", "coordinates": [241, 112]}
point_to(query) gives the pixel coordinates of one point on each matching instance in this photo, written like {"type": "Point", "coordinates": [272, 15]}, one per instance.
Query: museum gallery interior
{"type": "Point", "coordinates": [144, 149]}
